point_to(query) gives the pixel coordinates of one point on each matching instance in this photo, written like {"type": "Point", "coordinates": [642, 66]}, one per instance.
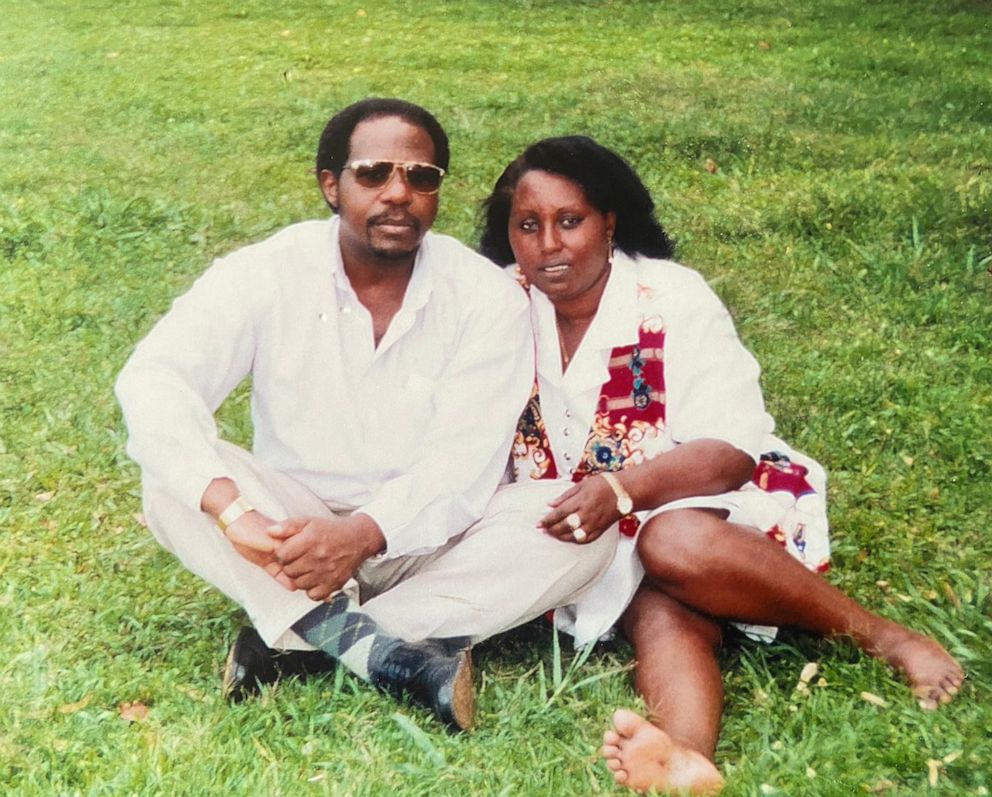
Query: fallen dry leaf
{"type": "Point", "coordinates": [190, 692]}
{"type": "Point", "coordinates": [711, 166]}
{"type": "Point", "coordinates": [875, 700]}
{"type": "Point", "coordinates": [79, 705]}
{"type": "Point", "coordinates": [44, 497]}
{"type": "Point", "coordinates": [133, 712]}
{"type": "Point", "coordinates": [139, 518]}
{"type": "Point", "coordinates": [933, 771]}
{"type": "Point", "coordinates": [951, 595]}
{"type": "Point", "coordinates": [951, 757]}
{"type": "Point", "coordinates": [808, 671]}
{"type": "Point", "coordinates": [765, 45]}
{"type": "Point", "coordinates": [881, 785]}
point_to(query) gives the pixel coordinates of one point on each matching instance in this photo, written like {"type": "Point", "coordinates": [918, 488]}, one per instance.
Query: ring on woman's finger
{"type": "Point", "coordinates": [579, 534]}
{"type": "Point", "coordinates": [573, 521]}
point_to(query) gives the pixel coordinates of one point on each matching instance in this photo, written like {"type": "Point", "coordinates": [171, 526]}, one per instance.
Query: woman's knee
{"type": "Point", "coordinates": [654, 618]}
{"type": "Point", "coordinates": [676, 547]}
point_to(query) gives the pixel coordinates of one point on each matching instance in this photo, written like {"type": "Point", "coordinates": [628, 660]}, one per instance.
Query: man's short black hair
{"type": "Point", "coordinates": [335, 142]}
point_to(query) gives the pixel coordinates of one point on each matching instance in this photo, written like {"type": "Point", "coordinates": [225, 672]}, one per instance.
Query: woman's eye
{"type": "Point", "coordinates": [528, 226]}
{"type": "Point", "coordinates": [570, 222]}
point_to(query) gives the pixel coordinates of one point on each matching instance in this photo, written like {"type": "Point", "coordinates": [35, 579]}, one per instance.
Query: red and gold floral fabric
{"type": "Point", "coordinates": [627, 428]}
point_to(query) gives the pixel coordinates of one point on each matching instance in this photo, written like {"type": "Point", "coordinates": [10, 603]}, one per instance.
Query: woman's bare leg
{"type": "Point", "coordinates": [679, 678]}
{"type": "Point", "coordinates": [677, 670]}
{"type": "Point", "coordinates": [730, 572]}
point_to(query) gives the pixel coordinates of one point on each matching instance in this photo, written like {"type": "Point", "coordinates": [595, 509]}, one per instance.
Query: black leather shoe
{"type": "Point", "coordinates": [430, 675]}
{"type": "Point", "coordinates": [251, 664]}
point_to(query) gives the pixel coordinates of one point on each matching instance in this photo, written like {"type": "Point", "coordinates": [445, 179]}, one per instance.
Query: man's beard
{"type": "Point", "coordinates": [392, 252]}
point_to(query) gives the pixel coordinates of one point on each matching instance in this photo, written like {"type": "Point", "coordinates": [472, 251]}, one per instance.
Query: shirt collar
{"type": "Point", "coordinates": [615, 323]}
{"type": "Point", "coordinates": [418, 290]}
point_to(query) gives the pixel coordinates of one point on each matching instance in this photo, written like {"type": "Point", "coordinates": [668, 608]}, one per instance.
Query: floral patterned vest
{"type": "Point", "coordinates": [629, 428]}
{"type": "Point", "coordinates": [629, 424]}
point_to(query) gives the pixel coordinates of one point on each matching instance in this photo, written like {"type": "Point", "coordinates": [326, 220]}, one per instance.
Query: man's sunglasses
{"type": "Point", "coordinates": [423, 178]}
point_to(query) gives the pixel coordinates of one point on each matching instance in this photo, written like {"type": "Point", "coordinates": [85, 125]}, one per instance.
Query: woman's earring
{"type": "Point", "coordinates": [609, 251]}
{"type": "Point", "coordinates": [518, 275]}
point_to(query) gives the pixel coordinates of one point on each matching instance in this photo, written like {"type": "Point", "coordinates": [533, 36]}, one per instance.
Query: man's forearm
{"type": "Point", "coordinates": [218, 496]}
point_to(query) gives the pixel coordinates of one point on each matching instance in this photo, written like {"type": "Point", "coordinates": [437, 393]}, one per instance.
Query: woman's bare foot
{"type": "Point", "coordinates": [644, 757]}
{"type": "Point", "coordinates": [933, 674]}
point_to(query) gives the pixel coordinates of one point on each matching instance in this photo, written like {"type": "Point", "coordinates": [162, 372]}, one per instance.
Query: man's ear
{"type": "Point", "coordinates": [329, 185]}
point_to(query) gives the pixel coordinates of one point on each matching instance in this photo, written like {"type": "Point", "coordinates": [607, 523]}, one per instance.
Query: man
{"type": "Point", "coordinates": [389, 365]}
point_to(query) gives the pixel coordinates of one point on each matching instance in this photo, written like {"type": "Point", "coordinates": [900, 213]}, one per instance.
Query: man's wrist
{"type": "Point", "coordinates": [237, 509]}
{"type": "Point", "coordinates": [373, 541]}
{"type": "Point", "coordinates": [218, 496]}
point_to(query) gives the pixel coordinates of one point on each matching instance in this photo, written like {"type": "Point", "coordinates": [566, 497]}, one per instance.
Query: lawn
{"type": "Point", "coordinates": [827, 166]}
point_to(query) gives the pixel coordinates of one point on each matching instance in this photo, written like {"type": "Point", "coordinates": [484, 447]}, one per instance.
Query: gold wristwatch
{"type": "Point", "coordinates": [625, 504]}
{"type": "Point", "coordinates": [238, 507]}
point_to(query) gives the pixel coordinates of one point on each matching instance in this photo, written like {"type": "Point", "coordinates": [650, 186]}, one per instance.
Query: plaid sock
{"type": "Point", "coordinates": [344, 632]}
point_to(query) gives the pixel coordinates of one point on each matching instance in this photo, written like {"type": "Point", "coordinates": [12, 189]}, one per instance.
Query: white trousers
{"type": "Point", "coordinates": [498, 574]}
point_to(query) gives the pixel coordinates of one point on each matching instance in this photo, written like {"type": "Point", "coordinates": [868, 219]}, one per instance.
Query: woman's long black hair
{"type": "Point", "coordinates": [609, 183]}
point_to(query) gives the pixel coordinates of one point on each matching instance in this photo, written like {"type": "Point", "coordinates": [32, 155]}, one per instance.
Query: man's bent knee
{"type": "Point", "coordinates": [597, 555]}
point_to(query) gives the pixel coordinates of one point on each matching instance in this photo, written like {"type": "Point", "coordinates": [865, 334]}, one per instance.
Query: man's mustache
{"type": "Point", "coordinates": [405, 219]}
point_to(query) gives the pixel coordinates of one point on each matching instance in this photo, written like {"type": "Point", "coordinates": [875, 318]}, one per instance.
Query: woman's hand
{"type": "Point", "coordinates": [592, 503]}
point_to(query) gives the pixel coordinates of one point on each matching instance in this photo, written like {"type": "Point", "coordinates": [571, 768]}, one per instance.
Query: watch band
{"type": "Point", "coordinates": [625, 504]}
{"type": "Point", "coordinates": [238, 507]}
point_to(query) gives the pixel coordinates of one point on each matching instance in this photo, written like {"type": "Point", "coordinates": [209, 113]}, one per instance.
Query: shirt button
{"type": "Point", "coordinates": [322, 316]}
{"type": "Point", "coordinates": [568, 414]}
{"type": "Point", "coordinates": [568, 457]}
{"type": "Point", "coordinates": [565, 431]}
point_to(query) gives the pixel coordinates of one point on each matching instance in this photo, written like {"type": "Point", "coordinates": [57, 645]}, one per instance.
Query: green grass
{"type": "Point", "coordinates": [848, 225]}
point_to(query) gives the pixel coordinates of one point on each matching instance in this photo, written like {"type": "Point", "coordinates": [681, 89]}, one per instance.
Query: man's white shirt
{"type": "Point", "coordinates": [415, 432]}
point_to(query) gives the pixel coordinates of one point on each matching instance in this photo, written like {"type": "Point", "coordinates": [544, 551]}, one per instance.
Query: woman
{"type": "Point", "coordinates": [646, 400]}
